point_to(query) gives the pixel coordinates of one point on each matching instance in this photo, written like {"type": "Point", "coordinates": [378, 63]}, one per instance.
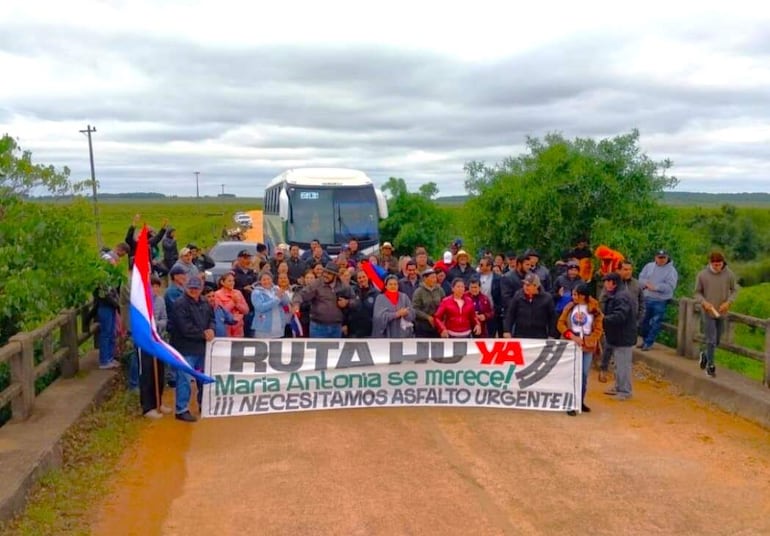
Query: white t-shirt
{"type": "Point", "coordinates": [580, 320]}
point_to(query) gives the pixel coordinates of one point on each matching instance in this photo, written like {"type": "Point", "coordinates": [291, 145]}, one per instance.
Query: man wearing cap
{"type": "Point", "coordinates": [278, 257]}
{"type": "Point", "coordinates": [386, 258]}
{"type": "Point", "coordinates": [201, 261]}
{"type": "Point", "coordinates": [631, 285]}
{"type": "Point", "coordinates": [193, 327]}
{"type": "Point", "coordinates": [427, 297]}
{"type": "Point", "coordinates": [620, 331]}
{"type": "Point", "coordinates": [185, 262]}
{"type": "Point", "coordinates": [174, 291]}
{"type": "Point", "coordinates": [530, 314]}
{"type": "Point", "coordinates": [245, 280]}
{"type": "Point", "coordinates": [715, 291]}
{"type": "Point", "coordinates": [328, 298]}
{"type": "Point", "coordinates": [462, 268]}
{"type": "Point", "coordinates": [658, 280]}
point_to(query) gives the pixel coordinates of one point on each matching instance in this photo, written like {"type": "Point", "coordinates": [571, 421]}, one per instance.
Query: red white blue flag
{"type": "Point", "coordinates": [375, 273]}
{"type": "Point", "coordinates": [144, 332]}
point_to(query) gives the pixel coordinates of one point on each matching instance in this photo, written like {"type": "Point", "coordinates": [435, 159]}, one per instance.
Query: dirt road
{"type": "Point", "coordinates": [255, 233]}
{"type": "Point", "coordinates": [658, 464]}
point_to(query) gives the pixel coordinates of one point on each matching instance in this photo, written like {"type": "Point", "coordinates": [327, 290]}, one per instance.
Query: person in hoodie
{"type": "Point", "coordinates": [715, 291]}
{"type": "Point", "coordinates": [658, 281]}
{"type": "Point", "coordinates": [271, 309]}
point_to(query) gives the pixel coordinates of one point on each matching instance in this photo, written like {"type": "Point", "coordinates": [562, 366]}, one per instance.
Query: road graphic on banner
{"type": "Point", "coordinates": [272, 376]}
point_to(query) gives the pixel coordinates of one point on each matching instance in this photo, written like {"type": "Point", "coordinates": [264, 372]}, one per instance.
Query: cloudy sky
{"type": "Point", "coordinates": [243, 90]}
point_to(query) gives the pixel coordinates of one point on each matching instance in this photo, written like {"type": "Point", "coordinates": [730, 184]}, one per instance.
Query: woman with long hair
{"type": "Point", "coordinates": [582, 322]}
{"type": "Point", "coordinates": [456, 315]}
{"type": "Point", "coordinates": [232, 301]}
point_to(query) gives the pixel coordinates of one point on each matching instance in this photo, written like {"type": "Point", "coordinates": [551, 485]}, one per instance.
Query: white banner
{"type": "Point", "coordinates": [255, 376]}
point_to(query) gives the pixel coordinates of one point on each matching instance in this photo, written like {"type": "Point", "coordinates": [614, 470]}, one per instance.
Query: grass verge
{"type": "Point", "coordinates": [63, 500]}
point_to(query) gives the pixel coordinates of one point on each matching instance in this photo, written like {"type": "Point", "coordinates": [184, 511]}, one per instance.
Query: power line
{"type": "Point", "coordinates": [99, 242]}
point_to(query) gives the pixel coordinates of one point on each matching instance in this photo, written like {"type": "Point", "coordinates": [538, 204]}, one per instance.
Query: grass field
{"type": "Point", "coordinates": [199, 221]}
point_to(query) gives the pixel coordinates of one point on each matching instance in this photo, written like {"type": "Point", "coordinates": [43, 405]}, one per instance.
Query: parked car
{"type": "Point", "coordinates": [224, 254]}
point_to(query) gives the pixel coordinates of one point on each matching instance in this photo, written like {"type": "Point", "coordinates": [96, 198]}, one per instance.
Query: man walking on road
{"type": "Point", "coordinates": [715, 291]}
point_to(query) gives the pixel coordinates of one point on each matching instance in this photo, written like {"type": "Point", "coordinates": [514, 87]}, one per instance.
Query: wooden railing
{"type": "Point", "coordinates": [688, 333]}
{"type": "Point", "coordinates": [73, 329]}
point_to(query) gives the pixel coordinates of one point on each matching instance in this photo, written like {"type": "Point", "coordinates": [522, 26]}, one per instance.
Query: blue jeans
{"type": "Point", "coordinates": [588, 357]}
{"type": "Point", "coordinates": [325, 331]}
{"type": "Point", "coordinates": [653, 318]}
{"type": "Point", "coordinates": [712, 332]}
{"type": "Point", "coordinates": [105, 315]}
{"type": "Point", "coordinates": [183, 380]}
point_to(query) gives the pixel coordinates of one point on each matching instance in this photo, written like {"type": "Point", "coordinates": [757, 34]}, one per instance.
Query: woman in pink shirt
{"type": "Point", "coordinates": [456, 314]}
{"type": "Point", "coordinates": [233, 302]}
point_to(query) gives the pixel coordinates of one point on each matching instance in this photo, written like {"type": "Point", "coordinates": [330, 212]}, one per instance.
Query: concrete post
{"type": "Point", "coordinates": [681, 328]}
{"type": "Point", "coordinates": [69, 337]}
{"type": "Point", "coordinates": [766, 376]}
{"type": "Point", "coordinates": [692, 327]}
{"type": "Point", "coordinates": [23, 373]}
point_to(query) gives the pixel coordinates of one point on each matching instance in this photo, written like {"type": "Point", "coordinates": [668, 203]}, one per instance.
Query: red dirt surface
{"type": "Point", "coordinates": [658, 464]}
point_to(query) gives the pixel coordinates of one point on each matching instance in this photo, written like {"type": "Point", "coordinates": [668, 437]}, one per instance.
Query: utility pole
{"type": "Point", "coordinates": [197, 190]}
{"type": "Point", "coordinates": [223, 189]}
{"type": "Point", "coordinates": [99, 242]}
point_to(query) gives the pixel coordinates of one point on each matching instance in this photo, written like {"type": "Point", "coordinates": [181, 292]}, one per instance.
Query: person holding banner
{"type": "Point", "coordinates": [393, 316]}
{"type": "Point", "coordinates": [530, 315]}
{"type": "Point", "coordinates": [359, 319]}
{"type": "Point", "coordinates": [193, 328]}
{"type": "Point", "coordinates": [581, 321]}
{"type": "Point", "coordinates": [456, 316]}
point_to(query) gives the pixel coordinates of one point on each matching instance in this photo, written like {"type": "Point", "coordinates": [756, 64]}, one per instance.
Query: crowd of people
{"type": "Point", "coordinates": [311, 294]}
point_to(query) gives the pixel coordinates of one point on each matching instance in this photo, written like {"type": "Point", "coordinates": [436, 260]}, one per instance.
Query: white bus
{"type": "Point", "coordinates": [325, 204]}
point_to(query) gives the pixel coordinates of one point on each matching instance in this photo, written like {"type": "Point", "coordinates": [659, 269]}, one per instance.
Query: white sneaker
{"type": "Point", "coordinates": [165, 410]}
{"type": "Point", "coordinates": [111, 365]}
{"type": "Point", "coordinates": [154, 414]}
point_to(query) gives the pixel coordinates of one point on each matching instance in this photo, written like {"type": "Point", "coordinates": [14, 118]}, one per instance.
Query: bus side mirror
{"type": "Point", "coordinates": [283, 205]}
{"type": "Point", "coordinates": [382, 204]}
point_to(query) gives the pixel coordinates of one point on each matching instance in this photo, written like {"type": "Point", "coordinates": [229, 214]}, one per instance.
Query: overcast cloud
{"type": "Point", "coordinates": [241, 93]}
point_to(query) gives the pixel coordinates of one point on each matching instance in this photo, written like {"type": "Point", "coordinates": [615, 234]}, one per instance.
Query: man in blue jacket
{"type": "Point", "coordinates": [658, 281]}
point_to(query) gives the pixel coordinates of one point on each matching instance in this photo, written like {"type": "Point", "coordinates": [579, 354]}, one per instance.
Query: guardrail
{"type": "Point", "coordinates": [688, 332]}
{"type": "Point", "coordinates": [73, 329]}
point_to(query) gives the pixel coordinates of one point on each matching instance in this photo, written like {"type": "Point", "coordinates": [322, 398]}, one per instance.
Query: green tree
{"type": "Point", "coordinates": [19, 176]}
{"type": "Point", "coordinates": [607, 190]}
{"type": "Point", "coordinates": [414, 218]}
{"type": "Point", "coordinates": [46, 262]}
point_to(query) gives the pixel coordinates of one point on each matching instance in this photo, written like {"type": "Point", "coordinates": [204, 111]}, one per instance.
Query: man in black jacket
{"type": "Point", "coordinates": [193, 327]}
{"type": "Point", "coordinates": [531, 312]}
{"type": "Point", "coordinates": [620, 331]}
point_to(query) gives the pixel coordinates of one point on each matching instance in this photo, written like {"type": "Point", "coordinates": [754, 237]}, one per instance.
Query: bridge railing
{"type": "Point", "coordinates": [56, 343]}
{"type": "Point", "coordinates": [688, 333]}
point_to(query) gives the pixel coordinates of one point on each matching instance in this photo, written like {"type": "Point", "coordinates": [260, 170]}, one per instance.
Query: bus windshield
{"type": "Point", "coordinates": [333, 215]}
